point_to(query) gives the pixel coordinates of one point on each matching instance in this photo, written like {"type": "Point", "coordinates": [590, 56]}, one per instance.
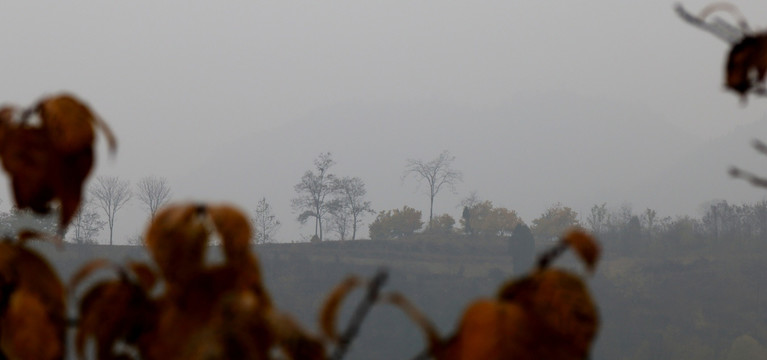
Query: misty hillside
{"type": "Point", "coordinates": [683, 299]}
{"type": "Point", "coordinates": [536, 151]}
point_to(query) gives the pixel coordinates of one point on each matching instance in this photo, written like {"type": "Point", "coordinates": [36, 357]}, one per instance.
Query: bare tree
{"type": "Point", "coordinates": [470, 201]}
{"type": "Point", "coordinates": [436, 173]}
{"type": "Point", "coordinates": [86, 223]}
{"type": "Point", "coordinates": [312, 191]}
{"type": "Point", "coordinates": [110, 194]}
{"type": "Point", "coordinates": [266, 222]}
{"type": "Point", "coordinates": [350, 204]}
{"type": "Point", "coordinates": [340, 218]}
{"type": "Point", "coordinates": [154, 192]}
{"type": "Point", "coordinates": [650, 221]}
{"type": "Point", "coordinates": [598, 219]}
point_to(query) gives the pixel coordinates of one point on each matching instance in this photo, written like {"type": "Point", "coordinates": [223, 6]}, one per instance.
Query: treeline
{"type": "Point", "coordinates": [623, 228]}
{"type": "Point", "coordinates": [98, 209]}
{"type": "Point", "coordinates": [338, 205]}
{"type": "Point", "coordinates": [479, 219]}
{"type": "Point", "coordinates": [721, 222]}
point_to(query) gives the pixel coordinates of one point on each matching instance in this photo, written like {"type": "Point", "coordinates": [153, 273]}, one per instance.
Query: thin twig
{"type": "Point", "coordinates": [545, 259]}
{"type": "Point", "coordinates": [359, 314]}
{"type": "Point", "coordinates": [760, 146]}
{"type": "Point", "coordinates": [717, 27]}
{"type": "Point", "coordinates": [753, 179]}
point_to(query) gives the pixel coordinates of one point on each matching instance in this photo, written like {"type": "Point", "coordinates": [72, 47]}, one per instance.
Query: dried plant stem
{"type": "Point", "coordinates": [359, 314]}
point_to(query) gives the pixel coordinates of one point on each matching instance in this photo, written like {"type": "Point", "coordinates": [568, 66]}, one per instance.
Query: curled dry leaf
{"type": "Point", "coordinates": [51, 160]}
{"type": "Point", "coordinates": [746, 64]}
{"type": "Point", "coordinates": [216, 311]}
{"type": "Point", "coordinates": [205, 311]}
{"type": "Point", "coordinates": [236, 235]}
{"type": "Point", "coordinates": [559, 307]}
{"type": "Point", "coordinates": [32, 305]}
{"type": "Point", "coordinates": [235, 231]}
{"type": "Point", "coordinates": [489, 330]}
{"type": "Point", "coordinates": [114, 311]}
{"type": "Point", "coordinates": [28, 332]}
{"type": "Point", "coordinates": [71, 124]}
{"type": "Point", "coordinates": [177, 239]}
{"type": "Point", "coordinates": [584, 245]}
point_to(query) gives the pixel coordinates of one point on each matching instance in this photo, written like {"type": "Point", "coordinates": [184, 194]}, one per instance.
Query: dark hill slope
{"type": "Point", "coordinates": [695, 302]}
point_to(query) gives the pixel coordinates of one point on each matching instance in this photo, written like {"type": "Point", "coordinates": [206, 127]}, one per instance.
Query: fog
{"type": "Point", "coordinates": [574, 102]}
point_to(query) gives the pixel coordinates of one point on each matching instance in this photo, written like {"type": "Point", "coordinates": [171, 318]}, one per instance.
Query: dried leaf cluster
{"type": "Point", "coordinates": [746, 64]}
{"type": "Point", "coordinates": [32, 304]}
{"type": "Point", "coordinates": [49, 160]}
{"type": "Point", "coordinates": [548, 314]}
{"type": "Point", "coordinates": [180, 307]}
{"type": "Point", "coordinates": [220, 311]}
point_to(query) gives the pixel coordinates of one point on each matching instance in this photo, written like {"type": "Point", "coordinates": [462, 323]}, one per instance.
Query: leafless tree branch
{"type": "Point", "coordinates": [153, 192]}
{"type": "Point", "coordinates": [111, 194]}
{"type": "Point", "coordinates": [436, 173]}
{"type": "Point", "coordinates": [718, 27]}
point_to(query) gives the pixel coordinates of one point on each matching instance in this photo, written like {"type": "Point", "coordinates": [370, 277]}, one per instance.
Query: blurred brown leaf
{"type": "Point", "coordinates": [746, 64]}
{"type": "Point", "coordinates": [177, 239]}
{"type": "Point", "coordinates": [548, 314]}
{"type": "Point", "coordinates": [32, 303]}
{"type": "Point", "coordinates": [214, 311]}
{"type": "Point", "coordinates": [113, 312]}
{"type": "Point", "coordinates": [51, 160]}
{"type": "Point", "coordinates": [584, 245]}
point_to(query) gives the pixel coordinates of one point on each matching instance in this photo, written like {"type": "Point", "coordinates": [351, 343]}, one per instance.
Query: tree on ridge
{"type": "Point", "coordinates": [110, 194]}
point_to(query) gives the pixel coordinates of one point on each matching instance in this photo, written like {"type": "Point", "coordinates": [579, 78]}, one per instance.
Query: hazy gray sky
{"type": "Point", "coordinates": [180, 82]}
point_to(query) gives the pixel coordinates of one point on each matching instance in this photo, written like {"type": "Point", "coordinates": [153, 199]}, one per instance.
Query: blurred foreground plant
{"type": "Point", "coordinates": [746, 65]}
{"type": "Point", "coordinates": [180, 307]}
